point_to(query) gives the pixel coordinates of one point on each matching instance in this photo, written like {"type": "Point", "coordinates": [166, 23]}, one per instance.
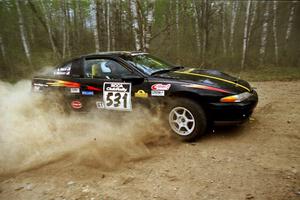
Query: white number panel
{"type": "Point", "coordinates": [117, 96]}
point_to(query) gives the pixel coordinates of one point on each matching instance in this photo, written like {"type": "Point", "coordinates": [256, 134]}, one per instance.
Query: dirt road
{"type": "Point", "coordinates": [259, 160]}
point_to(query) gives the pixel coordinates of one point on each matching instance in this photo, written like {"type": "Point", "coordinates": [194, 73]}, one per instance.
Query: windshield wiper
{"type": "Point", "coordinates": [162, 71]}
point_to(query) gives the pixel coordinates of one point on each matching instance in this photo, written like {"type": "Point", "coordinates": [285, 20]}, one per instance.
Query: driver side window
{"type": "Point", "coordinates": [104, 69]}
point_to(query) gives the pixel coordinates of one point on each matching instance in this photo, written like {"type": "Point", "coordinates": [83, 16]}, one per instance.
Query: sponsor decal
{"type": "Point", "coordinates": [75, 90]}
{"type": "Point", "coordinates": [87, 93]}
{"type": "Point", "coordinates": [117, 96]}
{"type": "Point", "coordinates": [100, 104]}
{"type": "Point", "coordinates": [63, 70]}
{"type": "Point", "coordinates": [116, 87]}
{"type": "Point", "coordinates": [158, 93]}
{"type": "Point", "coordinates": [38, 87]}
{"type": "Point", "coordinates": [76, 104]}
{"type": "Point", "coordinates": [40, 84]}
{"type": "Point", "coordinates": [160, 86]}
{"type": "Point", "coordinates": [141, 94]}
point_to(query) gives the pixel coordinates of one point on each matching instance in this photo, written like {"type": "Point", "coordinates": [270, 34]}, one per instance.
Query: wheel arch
{"type": "Point", "coordinates": [197, 98]}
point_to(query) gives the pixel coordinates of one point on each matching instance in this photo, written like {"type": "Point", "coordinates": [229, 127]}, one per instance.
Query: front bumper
{"type": "Point", "coordinates": [233, 112]}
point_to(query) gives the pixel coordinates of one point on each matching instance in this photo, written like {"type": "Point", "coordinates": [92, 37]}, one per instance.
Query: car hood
{"type": "Point", "coordinates": [212, 78]}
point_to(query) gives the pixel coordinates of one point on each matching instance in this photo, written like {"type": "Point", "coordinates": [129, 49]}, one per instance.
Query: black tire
{"type": "Point", "coordinates": [192, 111]}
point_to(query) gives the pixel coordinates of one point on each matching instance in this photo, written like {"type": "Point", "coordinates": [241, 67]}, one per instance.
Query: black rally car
{"type": "Point", "coordinates": [192, 98]}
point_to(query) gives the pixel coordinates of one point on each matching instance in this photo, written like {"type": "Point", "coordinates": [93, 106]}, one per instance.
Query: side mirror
{"type": "Point", "coordinates": [133, 78]}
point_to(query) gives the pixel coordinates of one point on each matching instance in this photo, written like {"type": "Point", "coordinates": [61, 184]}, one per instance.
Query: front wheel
{"type": "Point", "coordinates": [187, 119]}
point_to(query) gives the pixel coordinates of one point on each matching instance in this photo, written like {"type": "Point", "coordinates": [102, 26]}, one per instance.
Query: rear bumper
{"type": "Point", "coordinates": [233, 113]}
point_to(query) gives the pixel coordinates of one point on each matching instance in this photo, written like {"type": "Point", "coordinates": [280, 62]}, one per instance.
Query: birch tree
{"type": "Point", "coordinates": [275, 31]}
{"type": "Point", "coordinates": [150, 19]}
{"type": "Point", "coordinates": [223, 27]}
{"type": "Point", "coordinates": [94, 24]}
{"type": "Point", "coordinates": [232, 24]}
{"type": "Point", "coordinates": [46, 24]}
{"type": "Point", "coordinates": [245, 39]}
{"type": "Point", "coordinates": [3, 53]}
{"type": "Point", "coordinates": [64, 34]}
{"type": "Point", "coordinates": [177, 31]}
{"type": "Point", "coordinates": [23, 33]}
{"type": "Point", "coordinates": [204, 26]}
{"type": "Point", "coordinates": [108, 31]}
{"type": "Point", "coordinates": [264, 34]}
{"type": "Point", "coordinates": [290, 22]}
{"type": "Point", "coordinates": [135, 24]}
{"type": "Point", "coordinates": [253, 16]}
{"type": "Point", "coordinates": [67, 27]}
{"type": "Point", "coordinates": [196, 13]}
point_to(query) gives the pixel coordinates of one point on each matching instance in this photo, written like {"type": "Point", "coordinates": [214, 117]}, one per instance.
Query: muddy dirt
{"type": "Point", "coordinates": [258, 160]}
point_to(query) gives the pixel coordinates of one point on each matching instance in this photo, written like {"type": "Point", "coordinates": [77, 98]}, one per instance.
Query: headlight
{"type": "Point", "coordinates": [236, 98]}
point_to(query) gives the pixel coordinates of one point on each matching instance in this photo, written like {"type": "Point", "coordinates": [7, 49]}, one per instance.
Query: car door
{"type": "Point", "coordinates": [108, 84]}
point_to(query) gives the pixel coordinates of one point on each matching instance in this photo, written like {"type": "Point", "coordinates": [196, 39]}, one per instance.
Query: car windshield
{"type": "Point", "coordinates": [148, 64]}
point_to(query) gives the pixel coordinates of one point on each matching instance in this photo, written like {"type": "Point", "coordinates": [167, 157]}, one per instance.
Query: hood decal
{"type": "Point", "coordinates": [189, 72]}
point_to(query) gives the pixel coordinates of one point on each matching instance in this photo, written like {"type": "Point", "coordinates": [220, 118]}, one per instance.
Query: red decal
{"type": "Point", "coordinates": [205, 87]}
{"type": "Point", "coordinates": [215, 89]}
{"type": "Point", "coordinates": [160, 86]}
{"type": "Point", "coordinates": [93, 88]}
{"type": "Point", "coordinates": [76, 104]}
{"type": "Point", "coordinates": [71, 84]}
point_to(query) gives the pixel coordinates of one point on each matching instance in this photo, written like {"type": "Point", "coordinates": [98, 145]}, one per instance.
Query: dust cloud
{"type": "Point", "coordinates": [32, 133]}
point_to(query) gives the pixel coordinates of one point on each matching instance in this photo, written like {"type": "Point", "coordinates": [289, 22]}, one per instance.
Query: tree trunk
{"type": "Point", "coordinates": [245, 34]}
{"type": "Point", "coordinates": [197, 31]}
{"type": "Point", "coordinates": [205, 32]}
{"type": "Point", "coordinates": [203, 35]}
{"type": "Point", "coordinates": [223, 27]}
{"type": "Point", "coordinates": [23, 33]}
{"type": "Point", "coordinates": [290, 22]}
{"type": "Point", "coordinates": [64, 35]}
{"type": "Point", "coordinates": [75, 24]}
{"type": "Point", "coordinates": [135, 24]}
{"type": "Point", "coordinates": [68, 26]}
{"type": "Point", "coordinates": [252, 21]}
{"type": "Point", "coordinates": [80, 21]}
{"type": "Point", "coordinates": [94, 24]}
{"type": "Point", "coordinates": [232, 24]}
{"type": "Point", "coordinates": [264, 35]}
{"type": "Point", "coordinates": [177, 31]}
{"type": "Point", "coordinates": [113, 24]}
{"type": "Point", "coordinates": [275, 31]}
{"type": "Point", "coordinates": [149, 24]}
{"type": "Point", "coordinates": [3, 52]}
{"type": "Point", "coordinates": [108, 25]}
{"type": "Point", "coordinates": [47, 26]}
{"type": "Point", "coordinates": [142, 24]}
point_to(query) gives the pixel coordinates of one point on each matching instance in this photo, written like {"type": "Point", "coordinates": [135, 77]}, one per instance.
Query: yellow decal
{"type": "Point", "coordinates": [213, 77]}
{"type": "Point", "coordinates": [141, 94]}
{"type": "Point", "coordinates": [57, 83]}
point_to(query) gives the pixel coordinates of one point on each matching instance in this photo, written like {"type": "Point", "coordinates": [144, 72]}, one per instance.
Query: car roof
{"type": "Point", "coordinates": [114, 53]}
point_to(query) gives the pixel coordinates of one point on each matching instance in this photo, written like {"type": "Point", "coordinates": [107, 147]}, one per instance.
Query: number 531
{"type": "Point", "coordinates": [116, 99]}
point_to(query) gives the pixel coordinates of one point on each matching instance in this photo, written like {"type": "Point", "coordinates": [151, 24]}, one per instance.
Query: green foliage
{"type": "Point", "coordinates": [165, 37]}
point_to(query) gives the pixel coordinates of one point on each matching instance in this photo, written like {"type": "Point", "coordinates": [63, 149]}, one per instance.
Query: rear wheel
{"type": "Point", "coordinates": [187, 119]}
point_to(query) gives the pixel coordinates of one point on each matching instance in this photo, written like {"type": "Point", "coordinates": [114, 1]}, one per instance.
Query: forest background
{"type": "Point", "coordinates": [258, 40]}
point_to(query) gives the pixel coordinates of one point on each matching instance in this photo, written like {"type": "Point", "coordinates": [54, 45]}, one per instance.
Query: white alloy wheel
{"type": "Point", "coordinates": [182, 121]}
